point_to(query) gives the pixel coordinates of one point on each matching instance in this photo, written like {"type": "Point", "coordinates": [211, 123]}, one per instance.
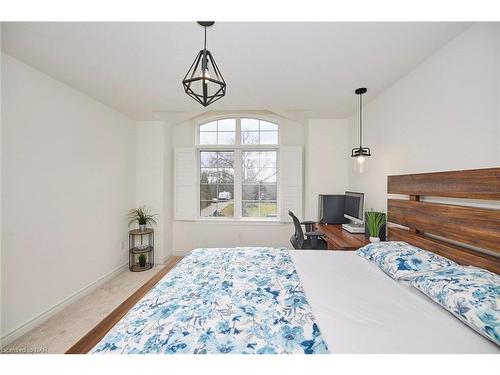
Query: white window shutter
{"type": "Point", "coordinates": [185, 202]}
{"type": "Point", "coordinates": [290, 186]}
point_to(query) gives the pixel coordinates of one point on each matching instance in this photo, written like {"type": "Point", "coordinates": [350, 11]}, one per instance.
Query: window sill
{"type": "Point", "coordinates": [238, 221]}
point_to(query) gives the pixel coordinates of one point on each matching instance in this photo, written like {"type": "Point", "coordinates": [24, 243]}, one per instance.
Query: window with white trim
{"type": "Point", "coordinates": [259, 184]}
{"type": "Point", "coordinates": [216, 183]}
{"type": "Point", "coordinates": [258, 132]}
{"type": "Point", "coordinates": [238, 168]}
{"type": "Point", "coordinates": [220, 132]}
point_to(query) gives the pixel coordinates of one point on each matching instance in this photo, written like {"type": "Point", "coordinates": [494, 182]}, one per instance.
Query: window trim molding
{"type": "Point", "coordinates": [238, 147]}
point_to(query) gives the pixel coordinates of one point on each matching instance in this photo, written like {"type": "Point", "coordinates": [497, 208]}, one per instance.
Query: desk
{"type": "Point", "coordinates": [339, 239]}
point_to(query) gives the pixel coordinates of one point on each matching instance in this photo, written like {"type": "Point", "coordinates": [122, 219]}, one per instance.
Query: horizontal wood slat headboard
{"type": "Point", "coordinates": [471, 184]}
{"type": "Point", "coordinates": [471, 225]}
{"type": "Point", "coordinates": [478, 227]}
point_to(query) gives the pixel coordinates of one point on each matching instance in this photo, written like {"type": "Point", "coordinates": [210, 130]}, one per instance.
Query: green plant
{"type": "Point", "coordinates": [142, 260]}
{"type": "Point", "coordinates": [141, 215]}
{"type": "Point", "coordinates": [375, 221]}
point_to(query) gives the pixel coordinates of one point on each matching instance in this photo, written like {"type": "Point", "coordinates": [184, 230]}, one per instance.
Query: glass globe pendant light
{"type": "Point", "coordinates": [360, 153]}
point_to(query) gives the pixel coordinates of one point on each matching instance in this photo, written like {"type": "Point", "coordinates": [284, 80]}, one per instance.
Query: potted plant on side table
{"type": "Point", "coordinates": [375, 221]}
{"type": "Point", "coordinates": [142, 260]}
{"type": "Point", "coordinates": [142, 217]}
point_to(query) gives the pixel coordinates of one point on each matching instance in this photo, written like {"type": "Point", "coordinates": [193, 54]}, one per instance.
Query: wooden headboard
{"type": "Point", "coordinates": [463, 226]}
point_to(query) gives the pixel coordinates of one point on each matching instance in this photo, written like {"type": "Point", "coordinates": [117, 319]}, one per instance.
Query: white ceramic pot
{"type": "Point", "coordinates": [142, 227]}
{"type": "Point", "coordinates": [374, 239]}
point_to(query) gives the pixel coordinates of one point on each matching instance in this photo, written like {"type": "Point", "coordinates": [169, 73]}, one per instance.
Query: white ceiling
{"type": "Point", "coordinates": [303, 70]}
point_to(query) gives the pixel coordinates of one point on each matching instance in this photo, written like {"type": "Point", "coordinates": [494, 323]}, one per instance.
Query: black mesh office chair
{"type": "Point", "coordinates": [314, 239]}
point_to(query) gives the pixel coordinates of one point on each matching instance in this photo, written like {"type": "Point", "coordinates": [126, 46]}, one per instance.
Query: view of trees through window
{"type": "Point", "coordinates": [259, 189]}
{"type": "Point", "coordinates": [256, 177]}
{"type": "Point", "coordinates": [219, 132]}
{"type": "Point", "coordinates": [217, 183]}
{"type": "Point", "coordinates": [258, 132]}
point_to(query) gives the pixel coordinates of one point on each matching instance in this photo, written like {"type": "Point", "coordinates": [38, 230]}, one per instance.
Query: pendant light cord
{"type": "Point", "coordinates": [204, 64]}
{"type": "Point", "coordinates": [360, 120]}
{"type": "Point", "coordinates": [205, 43]}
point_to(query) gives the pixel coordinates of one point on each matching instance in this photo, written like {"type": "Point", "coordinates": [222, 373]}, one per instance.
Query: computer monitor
{"type": "Point", "coordinates": [354, 206]}
{"type": "Point", "coordinates": [331, 209]}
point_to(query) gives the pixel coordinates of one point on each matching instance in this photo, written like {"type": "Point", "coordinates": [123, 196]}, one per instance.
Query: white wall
{"type": "Point", "coordinates": [150, 169]}
{"type": "Point", "coordinates": [68, 177]}
{"type": "Point", "coordinates": [443, 115]}
{"type": "Point", "coordinates": [191, 235]}
{"type": "Point", "coordinates": [1, 255]}
{"type": "Point", "coordinates": [498, 107]}
{"type": "Point", "coordinates": [154, 180]}
{"type": "Point", "coordinates": [327, 157]}
{"type": "Point", "coordinates": [168, 190]}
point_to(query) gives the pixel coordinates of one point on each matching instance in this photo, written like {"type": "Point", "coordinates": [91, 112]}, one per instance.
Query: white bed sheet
{"type": "Point", "coordinates": [362, 310]}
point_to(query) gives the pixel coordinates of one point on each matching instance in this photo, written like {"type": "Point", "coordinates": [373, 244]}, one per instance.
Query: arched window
{"type": "Point", "coordinates": [258, 132]}
{"type": "Point", "coordinates": [219, 132]}
{"type": "Point", "coordinates": [238, 168]}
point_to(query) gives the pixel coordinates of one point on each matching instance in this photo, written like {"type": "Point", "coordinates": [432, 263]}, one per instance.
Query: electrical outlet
{"type": "Point", "coordinates": [123, 245]}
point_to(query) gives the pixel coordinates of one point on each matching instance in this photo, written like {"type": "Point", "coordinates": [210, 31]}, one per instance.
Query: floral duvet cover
{"type": "Point", "coordinates": [225, 300]}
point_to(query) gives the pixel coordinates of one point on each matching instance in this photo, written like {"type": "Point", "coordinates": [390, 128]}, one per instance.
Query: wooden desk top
{"type": "Point", "coordinates": [340, 239]}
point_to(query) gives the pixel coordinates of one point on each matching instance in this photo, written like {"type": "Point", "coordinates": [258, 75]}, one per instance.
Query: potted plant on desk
{"type": "Point", "coordinates": [142, 216]}
{"type": "Point", "coordinates": [375, 221]}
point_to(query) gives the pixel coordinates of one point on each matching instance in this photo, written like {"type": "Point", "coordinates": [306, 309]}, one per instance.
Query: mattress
{"type": "Point", "coordinates": [360, 309]}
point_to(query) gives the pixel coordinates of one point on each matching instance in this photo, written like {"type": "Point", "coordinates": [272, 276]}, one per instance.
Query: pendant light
{"type": "Point", "coordinates": [203, 81]}
{"type": "Point", "coordinates": [360, 153]}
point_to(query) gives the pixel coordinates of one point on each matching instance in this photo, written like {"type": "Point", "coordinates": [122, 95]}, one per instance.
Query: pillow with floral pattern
{"type": "Point", "coordinates": [471, 294]}
{"type": "Point", "coordinates": [369, 251]}
{"type": "Point", "coordinates": [410, 262]}
{"type": "Point", "coordinates": [402, 261]}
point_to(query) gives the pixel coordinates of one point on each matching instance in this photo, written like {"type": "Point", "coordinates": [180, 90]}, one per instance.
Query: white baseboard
{"type": "Point", "coordinates": [40, 318]}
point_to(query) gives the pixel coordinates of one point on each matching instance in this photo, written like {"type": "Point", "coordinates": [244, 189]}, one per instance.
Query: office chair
{"type": "Point", "coordinates": [313, 240]}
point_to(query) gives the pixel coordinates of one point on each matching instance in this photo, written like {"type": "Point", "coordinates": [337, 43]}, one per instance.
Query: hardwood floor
{"type": "Point", "coordinates": [95, 335]}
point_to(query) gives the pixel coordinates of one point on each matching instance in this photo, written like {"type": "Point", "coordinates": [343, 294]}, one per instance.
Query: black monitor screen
{"type": "Point", "coordinates": [354, 205]}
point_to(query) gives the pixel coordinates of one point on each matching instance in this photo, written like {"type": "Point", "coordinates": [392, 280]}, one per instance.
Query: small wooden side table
{"type": "Point", "coordinates": [141, 242]}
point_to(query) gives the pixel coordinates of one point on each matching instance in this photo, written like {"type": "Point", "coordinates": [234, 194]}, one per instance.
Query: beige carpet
{"type": "Point", "coordinates": [65, 328]}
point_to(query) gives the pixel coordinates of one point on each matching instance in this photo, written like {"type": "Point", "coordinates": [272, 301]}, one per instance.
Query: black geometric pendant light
{"type": "Point", "coordinates": [360, 152]}
{"type": "Point", "coordinates": [203, 81]}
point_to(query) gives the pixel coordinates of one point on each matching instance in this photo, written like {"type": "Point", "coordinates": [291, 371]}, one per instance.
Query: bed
{"type": "Point", "coordinates": [264, 300]}
{"type": "Point", "coordinates": [359, 309]}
